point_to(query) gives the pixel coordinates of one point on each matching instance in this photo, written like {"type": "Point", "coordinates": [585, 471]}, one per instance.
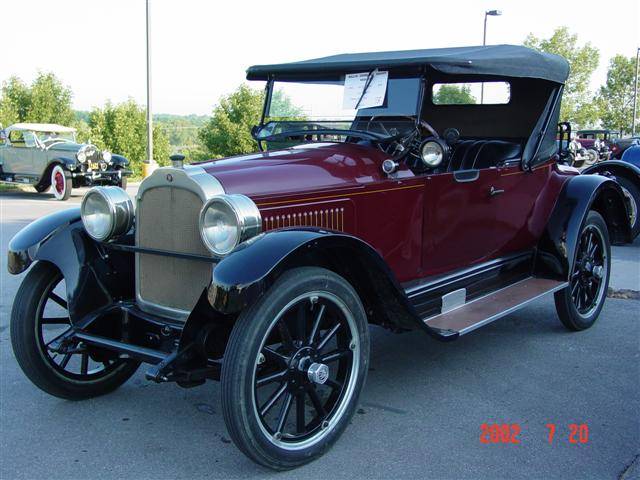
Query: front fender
{"type": "Point", "coordinates": [68, 163]}
{"type": "Point", "coordinates": [119, 161]}
{"type": "Point", "coordinates": [93, 279]}
{"type": "Point", "coordinates": [244, 276]}
{"type": "Point", "coordinates": [581, 193]}
{"type": "Point", "coordinates": [23, 248]}
{"type": "Point", "coordinates": [241, 277]}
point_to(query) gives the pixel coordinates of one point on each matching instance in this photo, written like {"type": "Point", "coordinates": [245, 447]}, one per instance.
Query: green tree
{"type": "Point", "coordinates": [228, 132]}
{"type": "Point", "coordinates": [577, 101]}
{"type": "Point", "coordinates": [14, 102]}
{"type": "Point", "coordinates": [122, 129]}
{"type": "Point", "coordinates": [283, 107]}
{"type": "Point", "coordinates": [50, 101]}
{"type": "Point", "coordinates": [615, 97]}
{"type": "Point", "coordinates": [454, 95]}
{"type": "Point", "coordinates": [46, 100]}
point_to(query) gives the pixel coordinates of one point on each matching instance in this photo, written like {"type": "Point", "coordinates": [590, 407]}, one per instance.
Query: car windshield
{"type": "Point", "coordinates": [48, 138]}
{"type": "Point", "coordinates": [368, 102]}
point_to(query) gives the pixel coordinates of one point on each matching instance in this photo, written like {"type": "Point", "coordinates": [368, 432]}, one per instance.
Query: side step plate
{"type": "Point", "coordinates": [486, 309]}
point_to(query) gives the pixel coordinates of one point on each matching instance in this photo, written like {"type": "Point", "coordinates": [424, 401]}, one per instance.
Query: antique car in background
{"type": "Point", "coordinates": [624, 171]}
{"type": "Point", "coordinates": [46, 156]}
{"type": "Point", "coordinates": [571, 152]}
{"type": "Point", "coordinates": [598, 141]}
{"type": "Point", "coordinates": [391, 206]}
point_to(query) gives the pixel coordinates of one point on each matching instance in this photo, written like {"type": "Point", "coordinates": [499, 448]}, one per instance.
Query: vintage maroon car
{"type": "Point", "coordinates": [384, 194]}
{"type": "Point", "coordinates": [602, 142]}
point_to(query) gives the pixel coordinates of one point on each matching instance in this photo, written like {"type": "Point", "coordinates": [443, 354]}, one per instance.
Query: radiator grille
{"type": "Point", "coordinates": [167, 219]}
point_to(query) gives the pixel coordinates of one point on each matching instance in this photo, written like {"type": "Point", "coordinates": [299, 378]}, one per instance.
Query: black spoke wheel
{"type": "Point", "coordinates": [40, 317]}
{"type": "Point", "coordinates": [294, 367]}
{"type": "Point", "coordinates": [580, 303]}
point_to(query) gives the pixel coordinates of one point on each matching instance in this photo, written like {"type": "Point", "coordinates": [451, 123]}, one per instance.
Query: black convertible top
{"type": "Point", "coordinates": [500, 60]}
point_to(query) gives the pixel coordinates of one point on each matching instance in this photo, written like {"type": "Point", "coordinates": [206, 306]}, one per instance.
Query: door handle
{"type": "Point", "coordinates": [493, 191]}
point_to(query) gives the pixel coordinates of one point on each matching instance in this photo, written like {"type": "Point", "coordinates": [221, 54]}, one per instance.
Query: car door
{"type": "Point", "coordinates": [461, 225]}
{"type": "Point", "coordinates": [478, 215]}
{"type": "Point", "coordinates": [18, 154]}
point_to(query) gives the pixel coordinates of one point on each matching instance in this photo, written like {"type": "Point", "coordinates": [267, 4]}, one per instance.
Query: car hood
{"type": "Point", "coordinates": [303, 168]}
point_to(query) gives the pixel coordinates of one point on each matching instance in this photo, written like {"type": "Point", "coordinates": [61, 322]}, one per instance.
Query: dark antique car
{"type": "Point", "coordinates": [390, 205]}
{"type": "Point", "coordinates": [46, 156]}
{"type": "Point", "coordinates": [624, 171]}
{"type": "Point", "coordinates": [598, 141]}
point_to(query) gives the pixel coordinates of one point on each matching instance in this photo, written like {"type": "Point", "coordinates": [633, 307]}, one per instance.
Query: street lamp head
{"type": "Point", "coordinates": [493, 13]}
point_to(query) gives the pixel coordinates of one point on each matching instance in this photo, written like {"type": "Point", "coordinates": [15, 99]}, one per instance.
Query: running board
{"type": "Point", "coordinates": [483, 310]}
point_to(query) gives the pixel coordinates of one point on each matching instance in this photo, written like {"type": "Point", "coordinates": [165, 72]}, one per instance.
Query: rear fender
{"type": "Point", "coordinates": [247, 273]}
{"type": "Point", "coordinates": [580, 194]}
{"type": "Point", "coordinates": [615, 167]}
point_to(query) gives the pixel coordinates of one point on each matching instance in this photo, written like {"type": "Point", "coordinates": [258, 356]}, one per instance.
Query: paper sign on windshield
{"type": "Point", "coordinates": [354, 84]}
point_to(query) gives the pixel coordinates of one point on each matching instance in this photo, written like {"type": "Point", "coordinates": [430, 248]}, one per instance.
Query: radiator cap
{"type": "Point", "coordinates": [177, 161]}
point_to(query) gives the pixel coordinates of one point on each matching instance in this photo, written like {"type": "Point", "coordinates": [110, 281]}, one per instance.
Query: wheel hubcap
{"type": "Point", "coordinates": [59, 182]}
{"type": "Point", "coordinates": [318, 373]}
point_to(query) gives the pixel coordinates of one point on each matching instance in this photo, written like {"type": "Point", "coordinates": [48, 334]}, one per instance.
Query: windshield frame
{"type": "Point", "coordinates": [269, 90]}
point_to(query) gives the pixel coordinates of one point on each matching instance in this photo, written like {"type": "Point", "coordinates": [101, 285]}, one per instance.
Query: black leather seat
{"type": "Point", "coordinates": [477, 154]}
{"type": "Point", "coordinates": [495, 152]}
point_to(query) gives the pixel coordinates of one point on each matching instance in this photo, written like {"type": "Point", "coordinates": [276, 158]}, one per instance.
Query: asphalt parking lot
{"type": "Point", "coordinates": [420, 414]}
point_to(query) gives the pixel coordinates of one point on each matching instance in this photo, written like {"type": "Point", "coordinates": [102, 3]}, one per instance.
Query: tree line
{"type": "Point", "coordinates": [121, 127]}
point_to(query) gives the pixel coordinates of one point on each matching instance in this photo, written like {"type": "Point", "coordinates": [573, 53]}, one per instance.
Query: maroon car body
{"type": "Point", "coordinates": [407, 209]}
{"type": "Point", "coordinates": [341, 187]}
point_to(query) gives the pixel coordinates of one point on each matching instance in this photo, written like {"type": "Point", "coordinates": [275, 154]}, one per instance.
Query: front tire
{"type": "Point", "coordinates": [303, 347]}
{"type": "Point", "coordinates": [61, 184]}
{"type": "Point", "coordinates": [579, 304]}
{"type": "Point", "coordinates": [40, 314]}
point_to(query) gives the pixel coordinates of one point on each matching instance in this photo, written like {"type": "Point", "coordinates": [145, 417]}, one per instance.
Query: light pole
{"type": "Point", "coordinates": [635, 95]}
{"type": "Point", "coordinates": [149, 164]}
{"type": "Point", "coordinates": [488, 13]}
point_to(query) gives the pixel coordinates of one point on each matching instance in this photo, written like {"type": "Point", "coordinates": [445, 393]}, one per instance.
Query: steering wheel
{"type": "Point", "coordinates": [421, 123]}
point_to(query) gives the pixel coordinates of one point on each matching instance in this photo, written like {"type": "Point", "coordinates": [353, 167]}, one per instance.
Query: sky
{"type": "Point", "coordinates": [201, 49]}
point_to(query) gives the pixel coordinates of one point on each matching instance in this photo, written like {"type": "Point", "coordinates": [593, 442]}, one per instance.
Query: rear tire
{"type": "Point", "coordinates": [54, 374]}
{"type": "Point", "coordinates": [632, 195]}
{"type": "Point", "coordinates": [580, 304]}
{"type": "Point", "coordinates": [310, 320]}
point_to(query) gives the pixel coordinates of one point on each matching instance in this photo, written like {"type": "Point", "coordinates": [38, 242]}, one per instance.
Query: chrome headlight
{"type": "Point", "coordinates": [432, 152]}
{"type": "Point", "coordinates": [227, 220]}
{"type": "Point", "coordinates": [106, 156]}
{"type": "Point", "coordinates": [81, 155]}
{"type": "Point", "coordinates": [107, 212]}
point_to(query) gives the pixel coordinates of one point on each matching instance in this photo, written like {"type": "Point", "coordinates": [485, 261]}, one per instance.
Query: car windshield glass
{"type": "Point", "coordinates": [385, 105]}
{"type": "Point", "coordinates": [55, 137]}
